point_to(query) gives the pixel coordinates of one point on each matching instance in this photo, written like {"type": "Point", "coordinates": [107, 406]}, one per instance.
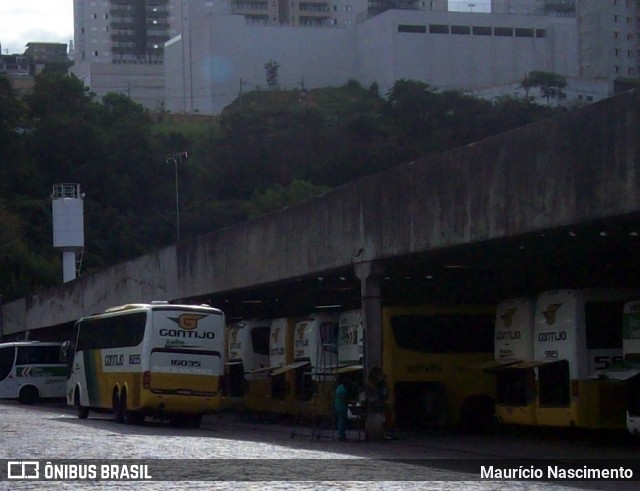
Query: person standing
{"type": "Point", "coordinates": [341, 408]}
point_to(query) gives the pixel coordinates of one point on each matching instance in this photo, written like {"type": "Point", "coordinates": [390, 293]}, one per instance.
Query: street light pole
{"type": "Point", "coordinates": [175, 160]}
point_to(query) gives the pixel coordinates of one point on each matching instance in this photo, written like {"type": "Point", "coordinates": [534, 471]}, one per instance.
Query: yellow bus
{"type": "Point", "coordinates": [139, 360]}
{"type": "Point", "coordinates": [428, 353]}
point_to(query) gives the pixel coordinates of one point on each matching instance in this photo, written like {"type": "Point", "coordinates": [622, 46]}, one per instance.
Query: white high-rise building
{"type": "Point", "coordinates": [119, 45]}
{"type": "Point", "coordinates": [609, 39]}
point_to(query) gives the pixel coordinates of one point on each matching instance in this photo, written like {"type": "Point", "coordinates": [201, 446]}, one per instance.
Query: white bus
{"type": "Point", "coordinates": [577, 339]}
{"type": "Point", "coordinates": [30, 371]}
{"type": "Point", "coordinates": [138, 360]}
{"type": "Point", "coordinates": [315, 358]}
{"type": "Point", "coordinates": [627, 373]}
{"type": "Point", "coordinates": [246, 372]}
{"type": "Point", "coordinates": [514, 369]}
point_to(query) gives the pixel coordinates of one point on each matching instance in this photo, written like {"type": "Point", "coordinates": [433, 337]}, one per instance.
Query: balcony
{"type": "Point", "coordinates": [123, 38]}
{"type": "Point", "coordinates": [123, 24]}
{"type": "Point", "coordinates": [314, 10]}
{"type": "Point", "coordinates": [249, 8]}
{"type": "Point", "coordinates": [314, 22]}
{"type": "Point", "coordinates": [157, 24]}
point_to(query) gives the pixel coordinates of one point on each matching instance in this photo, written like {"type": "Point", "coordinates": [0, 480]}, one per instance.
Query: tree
{"type": "Point", "coordinates": [271, 69]}
{"type": "Point", "coordinates": [11, 113]}
{"type": "Point", "coordinates": [549, 83]}
{"type": "Point", "coordinates": [279, 197]}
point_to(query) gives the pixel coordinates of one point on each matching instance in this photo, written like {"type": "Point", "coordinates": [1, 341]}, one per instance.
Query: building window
{"type": "Point", "coordinates": [438, 29]}
{"type": "Point", "coordinates": [541, 33]}
{"type": "Point", "coordinates": [503, 31]}
{"type": "Point", "coordinates": [411, 28]}
{"type": "Point", "coordinates": [94, 16]}
{"type": "Point", "coordinates": [524, 33]}
{"type": "Point", "coordinates": [481, 31]}
{"type": "Point", "coordinates": [460, 30]}
{"type": "Point", "coordinates": [95, 53]}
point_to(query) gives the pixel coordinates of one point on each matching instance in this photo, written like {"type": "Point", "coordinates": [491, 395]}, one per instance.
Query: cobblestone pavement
{"type": "Point", "coordinates": [52, 431]}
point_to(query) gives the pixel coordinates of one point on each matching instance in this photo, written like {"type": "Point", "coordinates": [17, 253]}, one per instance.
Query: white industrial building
{"type": "Point", "coordinates": [206, 67]}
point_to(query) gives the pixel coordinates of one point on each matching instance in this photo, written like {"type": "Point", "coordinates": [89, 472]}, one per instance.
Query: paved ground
{"type": "Point", "coordinates": [284, 456]}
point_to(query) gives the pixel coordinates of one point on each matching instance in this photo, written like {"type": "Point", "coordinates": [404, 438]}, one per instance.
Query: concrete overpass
{"type": "Point", "coordinates": [554, 204]}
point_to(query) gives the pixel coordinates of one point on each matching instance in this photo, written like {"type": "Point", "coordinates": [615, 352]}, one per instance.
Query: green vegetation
{"type": "Point", "coordinates": [267, 150]}
{"type": "Point", "coordinates": [549, 83]}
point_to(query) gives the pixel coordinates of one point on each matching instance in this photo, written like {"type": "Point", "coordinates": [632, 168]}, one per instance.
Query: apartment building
{"type": "Point", "coordinates": [44, 53]}
{"type": "Point", "coordinates": [609, 39]}
{"type": "Point", "coordinates": [119, 45]}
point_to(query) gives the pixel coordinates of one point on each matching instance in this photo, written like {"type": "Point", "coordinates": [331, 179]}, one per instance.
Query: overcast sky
{"type": "Point", "coordinates": [51, 21]}
{"type": "Point", "coordinates": [24, 21]}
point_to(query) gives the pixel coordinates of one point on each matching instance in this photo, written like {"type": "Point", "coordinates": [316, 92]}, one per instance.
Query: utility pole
{"type": "Point", "coordinates": [174, 160]}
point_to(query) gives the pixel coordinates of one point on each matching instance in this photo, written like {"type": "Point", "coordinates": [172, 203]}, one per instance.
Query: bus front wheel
{"type": "Point", "coordinates": [83, 412]}
{"type": "Point", "coordinates": [29, 395]}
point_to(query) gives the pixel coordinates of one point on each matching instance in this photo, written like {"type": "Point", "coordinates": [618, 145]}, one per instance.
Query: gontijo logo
{"type": "Point", "coordinates": [507, 317]}
{"type": "Point", "coordinates": [275, 334]}
{"type": "Point", "coordinates": [188, 324]}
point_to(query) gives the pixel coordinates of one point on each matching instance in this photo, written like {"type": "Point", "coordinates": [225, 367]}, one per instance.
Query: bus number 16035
{"type": "Point", "coordinates": [186, 363]}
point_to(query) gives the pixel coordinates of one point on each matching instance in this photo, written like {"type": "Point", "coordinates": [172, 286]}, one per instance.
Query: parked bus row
{"type": "Point", "coordinates": [290, 366]}
{"type": "Point", "coordinates": [567, 358]}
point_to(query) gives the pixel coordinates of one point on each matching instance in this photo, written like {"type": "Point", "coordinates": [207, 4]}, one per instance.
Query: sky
{"type": "Point", "coordinates": [24, 21]}
{"type": "Point", "coordinates": [51, 21]}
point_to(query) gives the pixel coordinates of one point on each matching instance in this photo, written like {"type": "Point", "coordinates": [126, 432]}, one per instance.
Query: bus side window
{"type": "Point", "coordinates": [6, 361]}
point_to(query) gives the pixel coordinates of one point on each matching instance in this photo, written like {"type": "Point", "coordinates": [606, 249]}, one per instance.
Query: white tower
{"type": "Point", "coordinates": [68, 227]}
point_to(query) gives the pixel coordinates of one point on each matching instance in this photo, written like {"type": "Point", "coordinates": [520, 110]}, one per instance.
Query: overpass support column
{"type": "Point", "coordinates": [369, 274]}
